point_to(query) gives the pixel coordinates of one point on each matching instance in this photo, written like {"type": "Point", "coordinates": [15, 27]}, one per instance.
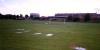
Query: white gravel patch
{"type": "Point", "coordinates": [79, 48]}
{"type": "Point", "coordinates": [49, 34]}
{"type": "Point", "coordinates": [46, 23]}
{"type": "Point", "coordinates": [36, 33]}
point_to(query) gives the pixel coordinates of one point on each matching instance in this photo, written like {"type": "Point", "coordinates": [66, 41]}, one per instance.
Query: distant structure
{"type": "Point", "coordinates": [97, 10]}
{"type": "Point", "coordinates": [59, 17]}
{"type": "Point", "coordinates": [43, 18]}
{"type": "Point", "coordinates": [76, 16]}
{"type": "Point", "coordinates": [34, 16]}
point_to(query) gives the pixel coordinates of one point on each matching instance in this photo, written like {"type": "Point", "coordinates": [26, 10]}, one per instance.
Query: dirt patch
{"type": "Point", "coordinates": [76, 46]}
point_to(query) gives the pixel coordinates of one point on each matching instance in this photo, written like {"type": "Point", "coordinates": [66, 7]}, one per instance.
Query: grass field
{"type": "Point", "coordinates": [65, 36]}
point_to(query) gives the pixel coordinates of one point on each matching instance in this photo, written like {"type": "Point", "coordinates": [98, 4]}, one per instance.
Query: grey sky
{"type": "Point", "coordinates": [48, 7]}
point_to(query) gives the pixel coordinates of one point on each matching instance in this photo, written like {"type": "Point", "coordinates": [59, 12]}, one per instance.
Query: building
{"type": "Point", "coordinates": [34, 16]}
{"type": "Point", "coordinates": [76, 16]}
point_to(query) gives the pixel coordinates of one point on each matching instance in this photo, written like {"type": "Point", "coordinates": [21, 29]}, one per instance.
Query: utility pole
{"type": "Point", "coordinates": [97, 10]}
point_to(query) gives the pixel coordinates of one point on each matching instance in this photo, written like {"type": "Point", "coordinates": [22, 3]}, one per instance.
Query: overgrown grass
{"type": "Point", "coordinates": [65, 35]}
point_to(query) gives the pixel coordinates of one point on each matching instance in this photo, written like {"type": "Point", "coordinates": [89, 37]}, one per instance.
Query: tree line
{"type": "Point", "coordinates": [86, 18]}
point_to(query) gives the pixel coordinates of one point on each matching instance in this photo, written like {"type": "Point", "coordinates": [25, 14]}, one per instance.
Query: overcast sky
{"type": "Point", "coordinates": [48, 7]}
